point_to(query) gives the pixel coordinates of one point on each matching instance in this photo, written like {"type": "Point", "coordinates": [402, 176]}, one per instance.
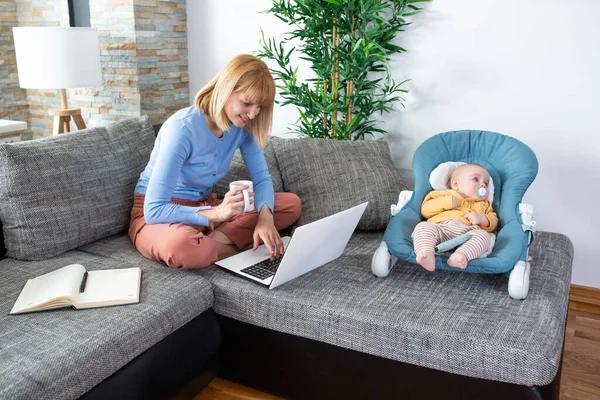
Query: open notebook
{"type": "Point", "coordinates": [73, 286]}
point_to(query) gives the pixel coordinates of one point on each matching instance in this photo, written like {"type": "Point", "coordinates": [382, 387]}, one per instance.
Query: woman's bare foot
{"type": "Point", "coordinates": [427, 260]}
{"type": "Point", "coordinates": [458, 260]}
{"type": "Point", "coordinates": [226, 250]}
{"type": "Point", "coordinates": [226, 247]}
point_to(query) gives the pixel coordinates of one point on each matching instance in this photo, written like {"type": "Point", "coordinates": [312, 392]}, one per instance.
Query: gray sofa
{"type": "Point", "coordinates": [337, 332]}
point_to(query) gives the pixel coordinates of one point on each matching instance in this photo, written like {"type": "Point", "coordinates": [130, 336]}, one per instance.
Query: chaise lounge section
{"type": "Point", "coordinates": [57, 194]}
{"type": "Point", "coordinates": [337, 332]}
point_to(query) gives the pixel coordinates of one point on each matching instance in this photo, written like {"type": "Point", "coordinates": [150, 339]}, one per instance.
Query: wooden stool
{"type": "Point", "coordinates": [62, 119]}
{"type": "Point", "coordinates": [62, 116]}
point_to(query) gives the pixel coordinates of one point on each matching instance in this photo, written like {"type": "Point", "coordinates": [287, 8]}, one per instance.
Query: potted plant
{"type": "Point", "coordinates": [348, 44]}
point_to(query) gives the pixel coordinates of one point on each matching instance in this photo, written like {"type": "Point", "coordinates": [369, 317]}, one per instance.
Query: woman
{"type": "Point", "coordinates": [175, 219]}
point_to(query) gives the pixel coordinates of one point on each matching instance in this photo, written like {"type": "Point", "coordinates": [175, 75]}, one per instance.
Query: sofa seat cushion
{"type": "Point", "coordinates": [118, 247]}
{"type": "Point", "coordinates": [60, 192]}
{"type": "Point", "coordinates": [330, 176]}
{"type": "Point", "coordinates": [455, 322]}
{"type": "Point", "coordinates": [62, 354]}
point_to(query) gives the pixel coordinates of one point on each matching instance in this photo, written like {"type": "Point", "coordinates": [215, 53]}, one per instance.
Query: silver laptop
{"type": "Point", "coordinates": [311, 246]}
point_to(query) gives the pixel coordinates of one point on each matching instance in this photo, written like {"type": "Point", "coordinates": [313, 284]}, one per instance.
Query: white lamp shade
{"type": "Point", "coordinates": [57, 58]}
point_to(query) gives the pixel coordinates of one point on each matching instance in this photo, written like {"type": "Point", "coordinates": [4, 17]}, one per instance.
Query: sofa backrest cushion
{"type": "Point", "coordinates": [60, 192]}
{"type": "Point", "coordinates": [331, 175]}
{"type": "Point", "coordinates": [2, 247]}
{"type": "Point", "coordinates": [238, 170]}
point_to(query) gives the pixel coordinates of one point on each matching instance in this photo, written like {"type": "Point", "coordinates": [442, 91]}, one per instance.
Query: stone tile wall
{"type": "Point", "coordinates": [160, 28]}
{"type": "Point", "coordinates": [13, 99]}
{"type": "Point", "coordinates": [144, 60]}
{"type": "Point", "coordinates": [143, 51]}
{"type": "Point", "coordinates": [119, 97]}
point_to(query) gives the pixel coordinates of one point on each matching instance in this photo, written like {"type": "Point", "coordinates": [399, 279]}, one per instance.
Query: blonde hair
{"type": "Point", "coordinates": [249, 75]}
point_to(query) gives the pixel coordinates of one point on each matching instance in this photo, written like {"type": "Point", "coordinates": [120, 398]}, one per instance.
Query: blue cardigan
{"type": "Point", "coordinates": [187, 160]}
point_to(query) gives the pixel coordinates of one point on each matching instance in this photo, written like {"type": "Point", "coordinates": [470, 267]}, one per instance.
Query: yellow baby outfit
{"type": "Point", "coordinates": [437, 207]}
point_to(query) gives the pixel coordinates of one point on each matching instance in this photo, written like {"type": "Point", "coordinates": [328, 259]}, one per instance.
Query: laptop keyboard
{"type": "Point", "coordinates": [263, 269]}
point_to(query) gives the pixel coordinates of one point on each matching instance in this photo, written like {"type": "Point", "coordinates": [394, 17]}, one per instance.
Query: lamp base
{"type": "Point", "coordinates": [62, 119]}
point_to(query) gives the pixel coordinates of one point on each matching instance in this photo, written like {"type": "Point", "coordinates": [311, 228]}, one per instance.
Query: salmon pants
{"type": "Point", "coordinates": [181, 245]}
{"type": "Point", "coordinates": [427, 235]}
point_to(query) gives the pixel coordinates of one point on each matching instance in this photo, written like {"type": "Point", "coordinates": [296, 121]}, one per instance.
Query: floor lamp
{"type": "Point", "coordinates": [58, 58]}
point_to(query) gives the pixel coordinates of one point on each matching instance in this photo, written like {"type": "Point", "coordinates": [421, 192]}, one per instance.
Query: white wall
{"type": "Point", "coordinates": [221, 29]}
{"type": "Point", "coordinates": [523, 68]}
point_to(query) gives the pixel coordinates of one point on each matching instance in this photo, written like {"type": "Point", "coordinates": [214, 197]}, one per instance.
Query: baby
{"type": "Point", "coordinates": [453, 212]}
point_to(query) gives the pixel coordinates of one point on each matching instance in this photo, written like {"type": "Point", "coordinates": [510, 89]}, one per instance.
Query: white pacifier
{"type": "Point", "coordinates": [481, 193]}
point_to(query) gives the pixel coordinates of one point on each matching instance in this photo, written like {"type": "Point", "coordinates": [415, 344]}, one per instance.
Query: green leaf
{"type": "Point", "coordinates": [369, 25]}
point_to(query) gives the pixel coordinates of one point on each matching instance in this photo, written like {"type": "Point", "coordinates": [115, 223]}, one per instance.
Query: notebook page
{"type": "Point", "coordinates": [62, 283]}
{"type": "Point", "coordinates": [111, 287]}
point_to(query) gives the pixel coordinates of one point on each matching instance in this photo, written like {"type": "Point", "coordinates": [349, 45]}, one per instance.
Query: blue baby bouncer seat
{"type": "Point", "coordinates": [512, 166]}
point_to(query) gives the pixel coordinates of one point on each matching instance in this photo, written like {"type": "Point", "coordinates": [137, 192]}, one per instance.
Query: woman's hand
{"type": "Point", "coordinates": [265, 230]}
{"type": "Point", "coordinates": [477, 219]}
{"type": "Point", "coordinates": [232, 204]}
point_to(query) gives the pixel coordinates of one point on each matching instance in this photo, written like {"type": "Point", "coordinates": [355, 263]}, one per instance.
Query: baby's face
{"type": "Point", "coordinates": [469, 179]}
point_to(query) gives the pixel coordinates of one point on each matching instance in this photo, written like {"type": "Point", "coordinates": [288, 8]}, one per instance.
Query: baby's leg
{"type": "Point", "coordinates": [425, 237]}
{"type": "Point", "coordinates": [471, 249]}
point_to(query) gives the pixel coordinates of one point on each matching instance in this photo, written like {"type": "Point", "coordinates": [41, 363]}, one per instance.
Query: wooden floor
{"type": "Point", "coordinates": [220, 389]}
{"type": "Point", "coordinates": [581, 358]}
{"type": "Point", "coordinates": [580, 369]}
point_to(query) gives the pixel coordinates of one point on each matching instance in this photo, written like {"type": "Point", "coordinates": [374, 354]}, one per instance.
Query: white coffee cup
{"type": "Point", "coordinates": [248, 200]}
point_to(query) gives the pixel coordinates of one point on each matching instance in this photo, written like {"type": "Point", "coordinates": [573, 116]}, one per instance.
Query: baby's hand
{"type": "Point", "coordinates": [477, 219]}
